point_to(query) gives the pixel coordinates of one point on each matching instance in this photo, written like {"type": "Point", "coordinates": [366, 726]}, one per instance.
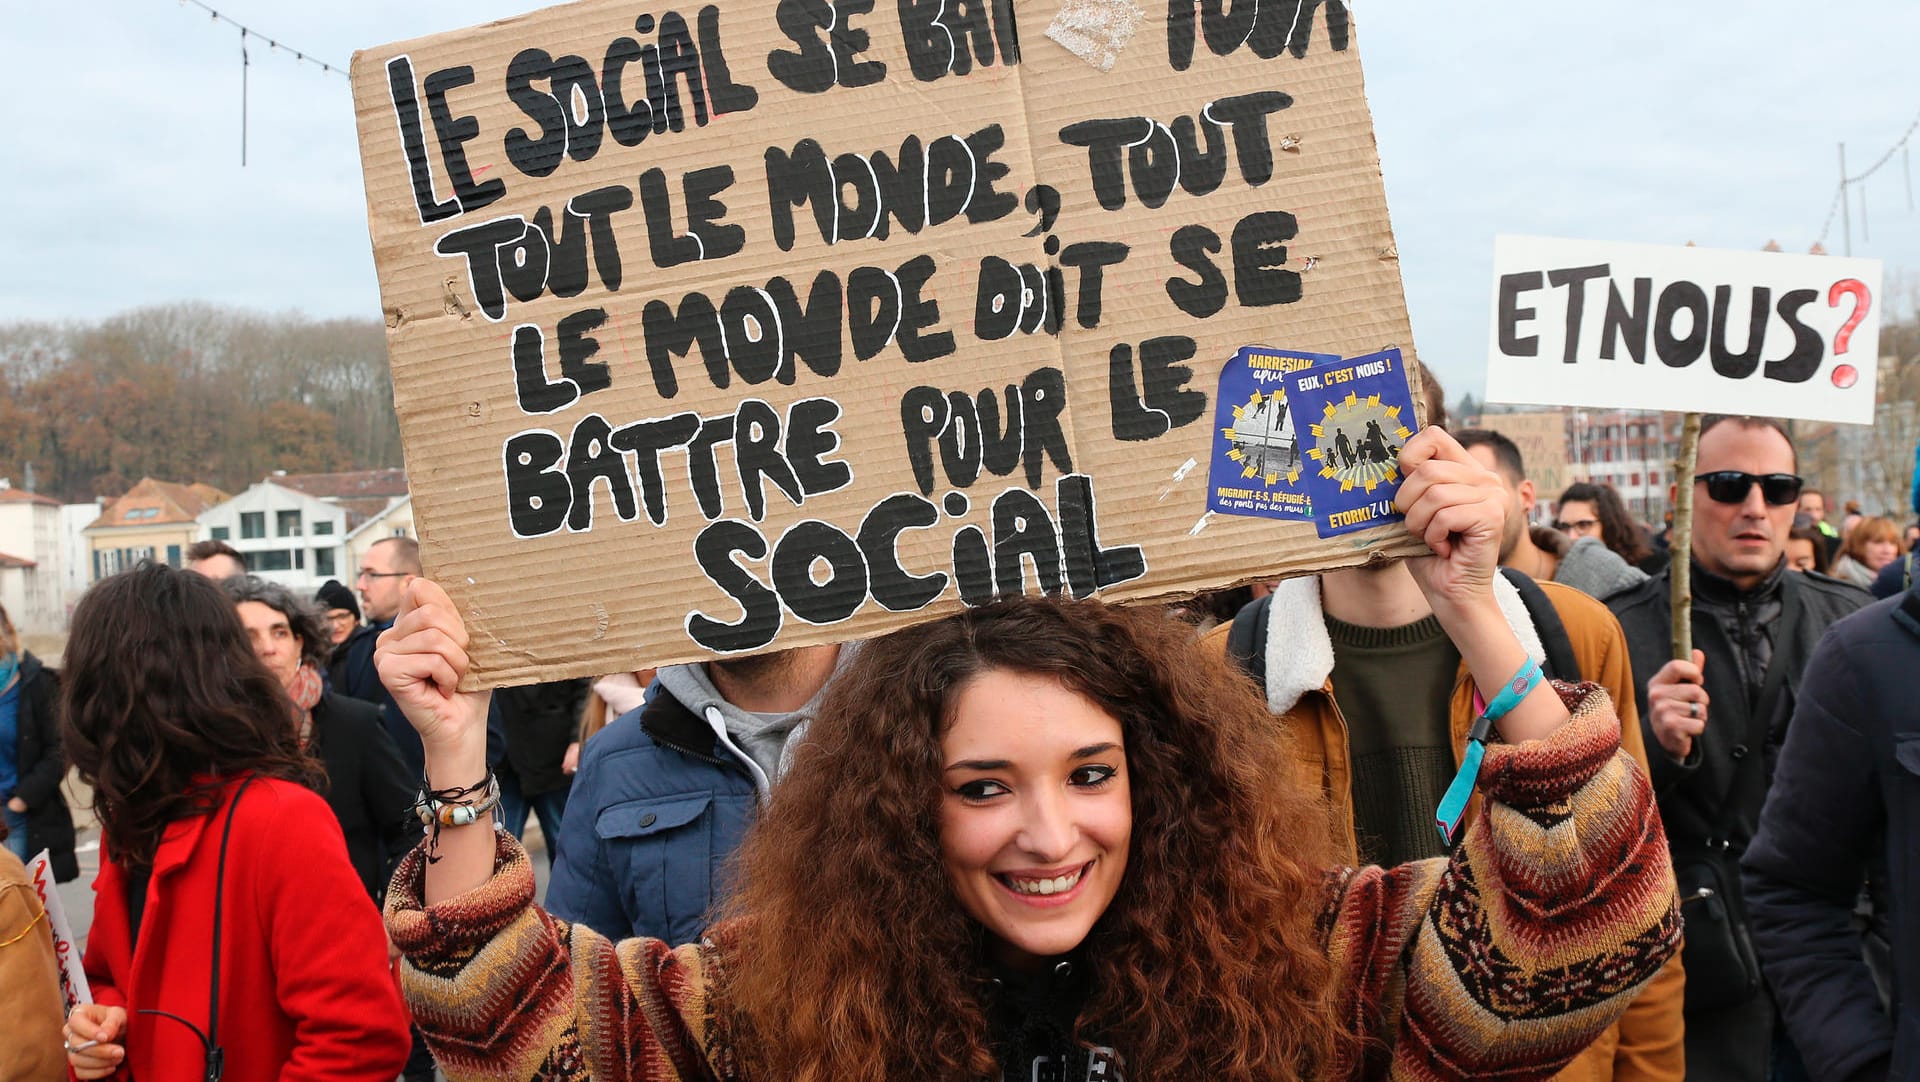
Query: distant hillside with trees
{"type": "Point", "coordinates": [191, 392]}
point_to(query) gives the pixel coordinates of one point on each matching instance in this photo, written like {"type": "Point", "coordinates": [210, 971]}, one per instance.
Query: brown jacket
{"type": "Point", "coordinates": [29, 981]}
{"type": "Point", "coordinates": [1646, 1044]}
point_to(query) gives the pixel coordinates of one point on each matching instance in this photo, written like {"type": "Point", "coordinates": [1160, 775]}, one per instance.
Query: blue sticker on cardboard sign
{"type": "Point", "coordinates": [1259, 467]}
{"type": "Point", "coordinates": [1354, 416]}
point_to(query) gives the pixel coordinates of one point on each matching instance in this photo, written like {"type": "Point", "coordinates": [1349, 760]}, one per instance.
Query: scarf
{"type": "Point", "coordinates": [305, 689]}
{"type": "Point", "coordinates": [9, 665]}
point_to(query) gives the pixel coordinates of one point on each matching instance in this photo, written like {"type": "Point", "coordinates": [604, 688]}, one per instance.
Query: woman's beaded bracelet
{"type": "Point", "coordinates": [446, 808]}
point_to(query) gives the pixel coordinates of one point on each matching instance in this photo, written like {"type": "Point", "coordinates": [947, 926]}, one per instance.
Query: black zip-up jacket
{"type": "Point", "coordinates": [368, 787]}
{"type": "Point", "coordinates": [42, 766]}
{"type": "Point", "coordinates": [1757, 643]}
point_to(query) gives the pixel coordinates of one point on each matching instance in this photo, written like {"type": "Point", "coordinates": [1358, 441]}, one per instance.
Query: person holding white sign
{"type": "Point", "coordinates": [1717, 721]}
{"type": "Point", "coordinates": [1052, 835]}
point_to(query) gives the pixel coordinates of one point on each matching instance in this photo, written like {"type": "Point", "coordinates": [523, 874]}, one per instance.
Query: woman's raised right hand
{"type": "Point", "coordinates": [422, 659]}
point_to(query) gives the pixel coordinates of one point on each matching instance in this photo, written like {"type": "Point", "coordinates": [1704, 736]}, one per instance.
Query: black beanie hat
{"type": "Point", "coordinates": [332, 595]}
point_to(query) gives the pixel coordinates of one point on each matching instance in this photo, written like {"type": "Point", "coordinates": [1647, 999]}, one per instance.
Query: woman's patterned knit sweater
{"type": "Point", "coordinates": [1505, 959]}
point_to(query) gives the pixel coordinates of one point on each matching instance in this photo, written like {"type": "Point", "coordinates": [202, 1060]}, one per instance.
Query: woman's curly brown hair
{"type": "Point", "coordinates": [856, 960]}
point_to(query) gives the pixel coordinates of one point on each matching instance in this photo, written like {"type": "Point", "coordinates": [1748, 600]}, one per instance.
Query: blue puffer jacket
{"type": "Point", "coordinates": [661, 800]}
{"type": "Point", "coordinates": [1846, 800]}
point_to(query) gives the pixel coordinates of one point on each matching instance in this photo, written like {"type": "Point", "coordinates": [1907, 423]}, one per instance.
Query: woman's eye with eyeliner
{"type": "Point", "coordinates": [980, 790]}
{"type": "Point", "coordinates": [1092, 777]}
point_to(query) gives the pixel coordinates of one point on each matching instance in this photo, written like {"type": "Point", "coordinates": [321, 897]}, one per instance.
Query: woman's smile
{"type": "Point", "coordinates": [1044, 889]}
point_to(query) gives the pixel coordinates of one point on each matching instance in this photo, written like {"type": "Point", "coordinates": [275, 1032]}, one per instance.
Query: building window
{"type": "Point", "coordinates": [173, 555]}
{"type": "Point", "coordinates": [253, 524]}
{"type": "Point", "coordinates": [323, 562]}
{"type": "Point", "coordinates": [286, 523]}
{"type": "Point", "coordinates": [220, 533]}
{"type": "Point", "coordinates": [300, 559]}
{"type": "Point", "coordinates": [323, 527]}
{"type": "Point", "coordinates": [270, 560]}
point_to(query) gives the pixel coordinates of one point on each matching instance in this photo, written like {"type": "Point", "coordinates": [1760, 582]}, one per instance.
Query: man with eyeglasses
{"type": "Point", "coordinates": [385, 570]}
{"type": "Point", "coordinates": [389, 564]}
{"type": "Point", "coordinates": [1715, 723]}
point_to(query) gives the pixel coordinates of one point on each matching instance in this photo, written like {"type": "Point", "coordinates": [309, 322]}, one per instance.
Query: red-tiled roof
{"type": "Point", "coordinates": [8, 563]}
{"type": "Point", "coordinates": [356, 485]}
{"type": "Point", "coordinates": [359, 511]}
{"type": "Point", "coordinates": [159, 503]}
{"type": "Point", "coordinates": [17, 495]}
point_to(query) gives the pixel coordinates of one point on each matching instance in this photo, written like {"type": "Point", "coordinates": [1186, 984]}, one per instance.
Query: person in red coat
{"type": "Point", "coordinates": [212, 831]}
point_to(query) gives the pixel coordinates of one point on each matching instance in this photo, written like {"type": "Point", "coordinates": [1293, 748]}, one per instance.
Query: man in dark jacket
{"type": "Point", "coordinates": [385, 570]}
{"type": "Point", "coordinates": [1846, 802]}
{"type": "Point", "coordinates": [1715, 723]}
{"type": "Point", "coordinates": [541, 720]}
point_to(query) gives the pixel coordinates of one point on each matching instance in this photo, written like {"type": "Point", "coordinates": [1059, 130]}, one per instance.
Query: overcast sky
{"type": "Point", "coordinates": [1715, 121]}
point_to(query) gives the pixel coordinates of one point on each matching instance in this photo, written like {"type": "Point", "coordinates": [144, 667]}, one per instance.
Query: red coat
{"type": "Point", "coordinates": [305, 990]}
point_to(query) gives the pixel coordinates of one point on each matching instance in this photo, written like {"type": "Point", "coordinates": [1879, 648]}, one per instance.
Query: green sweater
{"type": "Point", "coordinates": [1393, 685]}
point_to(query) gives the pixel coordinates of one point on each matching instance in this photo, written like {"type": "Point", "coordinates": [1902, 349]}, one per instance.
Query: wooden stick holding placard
{"type": "Point", "coordinates": [1682, 546]}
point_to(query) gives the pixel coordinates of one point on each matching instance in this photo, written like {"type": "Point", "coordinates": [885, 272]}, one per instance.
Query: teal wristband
{"type": "Point", "coordinates": [1453, 805]}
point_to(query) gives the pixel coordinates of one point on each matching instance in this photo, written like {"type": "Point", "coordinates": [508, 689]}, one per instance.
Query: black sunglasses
{"type": "Point", "coordinates": [1732, 486]}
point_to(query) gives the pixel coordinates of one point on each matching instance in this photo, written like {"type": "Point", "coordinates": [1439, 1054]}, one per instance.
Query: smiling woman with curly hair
{"type": "Point", "coordinates": [1048, 838]}
{"type": "Point", "coordinates": [1209, 936]}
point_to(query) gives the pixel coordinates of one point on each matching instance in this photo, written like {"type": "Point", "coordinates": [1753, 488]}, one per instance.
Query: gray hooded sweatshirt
{"type": "Point", "coordinates": [763, 743]}
{"type": "Point", "coordinates": [1592, 568]}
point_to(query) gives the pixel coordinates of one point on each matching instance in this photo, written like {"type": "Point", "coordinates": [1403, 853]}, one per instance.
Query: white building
{"type": "Point", "coordinates": [31, 562]}
{"type": "Point", "coordinates": [394, 520]}
{"type": "Point", "coordinates": [284, 535]}
{"type": "Point", "coordinates": [76, 555]}
{"type": "Point", "coordinates": [377, 503]}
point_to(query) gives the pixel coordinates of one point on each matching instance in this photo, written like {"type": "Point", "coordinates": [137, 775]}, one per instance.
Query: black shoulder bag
{"type": "Point", "coordinates": [210, 1040]}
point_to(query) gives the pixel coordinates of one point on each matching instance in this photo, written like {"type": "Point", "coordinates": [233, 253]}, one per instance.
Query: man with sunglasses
{"type": "Point", "coordinates": [1715, 723]}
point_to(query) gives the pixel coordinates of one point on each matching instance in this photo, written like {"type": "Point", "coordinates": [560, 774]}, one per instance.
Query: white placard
{"type": "Point", "coordinates": [1643, 326]}
{"type": "Point", "coordinates": [74, 989]}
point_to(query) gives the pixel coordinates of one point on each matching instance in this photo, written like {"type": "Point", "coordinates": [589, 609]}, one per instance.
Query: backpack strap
{"type": "Point", "coordinates": [1247, 639]}
{"type": "Point", "coordinates": [1560, 662]}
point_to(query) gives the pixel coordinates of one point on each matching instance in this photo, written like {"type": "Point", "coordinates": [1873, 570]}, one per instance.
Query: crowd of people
{"type": "Point", "coordinates": [1042, 839]}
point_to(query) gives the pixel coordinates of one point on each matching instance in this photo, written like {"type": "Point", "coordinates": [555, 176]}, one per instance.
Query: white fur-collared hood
{"type": "Point", "coordinates": [1301, 661]}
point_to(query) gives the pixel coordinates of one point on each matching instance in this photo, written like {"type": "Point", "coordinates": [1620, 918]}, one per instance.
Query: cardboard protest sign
{"type": "Point", "coordinates": [733, 328]}
{"type": "Point", "coordinates": [74, 989]}
{"type": "Point", "coordinates": [1640, 326]}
